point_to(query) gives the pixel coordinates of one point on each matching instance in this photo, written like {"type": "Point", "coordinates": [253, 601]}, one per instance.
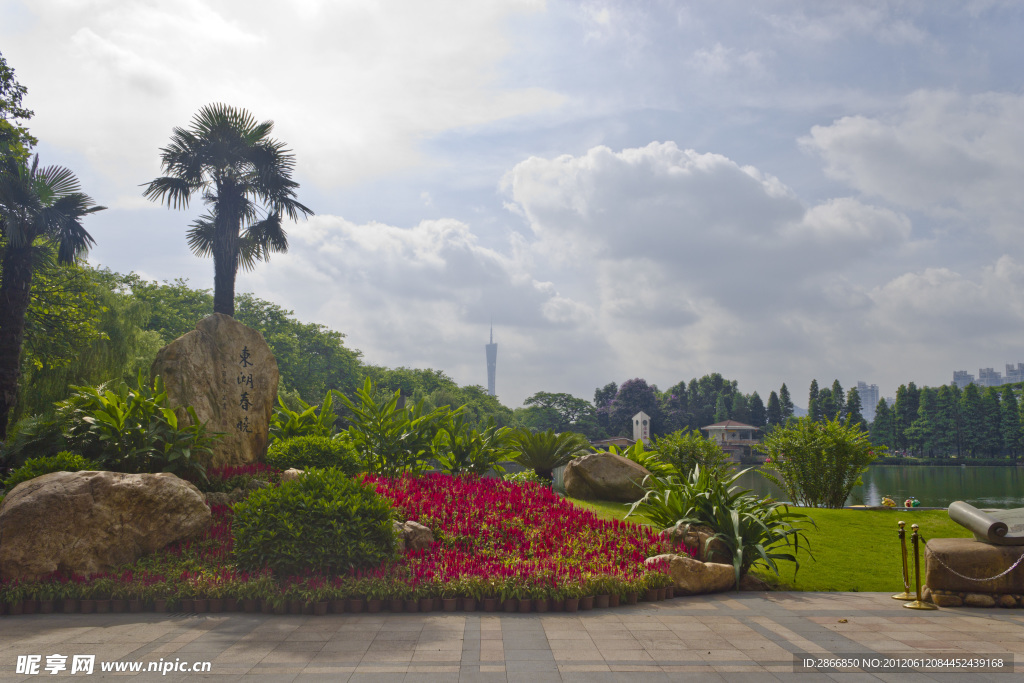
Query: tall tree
{"type": "Point", "coordinates": [972, 419]}
{"type": "Point", "coordinates": [828, 407]}
{"type": "Point", "coordinates": [882, 432]}
{"type": "Point", "coordinates": [854, 410]}
{"type": "Point", "coordinates": [244, 177]}
{"type": "Point", "coordinates": [758, 416]}
{"type": "Point", "coordinates": [785, 402]}
{"type": "Point", "coordinates": [840, 399]}
{"type": "Point", "coordinates": [945, 421]}
{"type": "Point", "coordinates": [603, 398]}
{"type": "Point", "coordinates": [813, 409]}
{"type": "Point", "coordinates": [1009, 421]}
{"type": "Point", "coordinates": [35, 204]}
{"type": "Point", "coordinates": [921, 434]}
{"type": "Point", "coordinates": [904, 412]}
{"type": "Point", "coordinates": [635, 395]}
{"type": "Point", "coordinates": [774, 410]}
{"type": "Point", "coordinates": [992, 439]}
{"type": "Point", "coordinates": [15, 140]}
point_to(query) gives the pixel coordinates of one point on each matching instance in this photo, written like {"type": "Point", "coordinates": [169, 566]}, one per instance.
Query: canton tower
{"type": "Point", "coordinates": [492, 362]}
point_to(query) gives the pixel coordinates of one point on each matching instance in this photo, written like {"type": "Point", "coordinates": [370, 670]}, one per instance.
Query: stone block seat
{"type": "Point", "coordinates": [960, 571]}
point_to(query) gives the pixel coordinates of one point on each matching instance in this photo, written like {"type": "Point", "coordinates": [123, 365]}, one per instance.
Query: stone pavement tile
{"type": "Point", "coordinates": [381, 668]}
{"type": "Point", "coordinates": [483, 677]}
{"type": "Point", "coordinates": [639, 656]}
{"type": "Point", "coordinates": [538, 655]}
{"type": "Point", "coordinates": [387, 656]}
{"type": "Point", "coordinates": [620, 677]}
{"type": "Point", "coordinates": [336, 657]}
{"type": "Point", "coordinates": [533, 677]}
{"type": "Point", "coordinates": [267, 678]}
{"type": "Point", "coordinates": [310, 635]}
{"type": "Point", "coordinates": [620, 645]}
{"type": "Point", "coordinates": [437, 656]}
{"type": "Point", "coordinates": [299, 646]}
{"type": "Point", "coordinates": [577, 655]}
{"type": "Point", "coordinates": [352, 645]}
{"type": "Point", "coordinates": [517, 666]}
{"type": "Point", "coordinates": [573, 668]}
{"type": "Point", "coordinates": [433, 673]}
{"type": "Point", "coordinates": [388, 635]}
{"type": "Point", "coordinates": [322, 677]}
{"type": "Point", "coordinates": [377, 677]}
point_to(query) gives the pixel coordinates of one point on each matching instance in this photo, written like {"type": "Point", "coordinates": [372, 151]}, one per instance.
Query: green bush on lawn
{"type": "Point", "coordinates": [323, 521]}
{"type": "Point", "coordinates": [305, 452]}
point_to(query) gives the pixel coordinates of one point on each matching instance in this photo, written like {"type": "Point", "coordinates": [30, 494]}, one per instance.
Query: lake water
{"type": "Point", "coordinates": [982, 487]}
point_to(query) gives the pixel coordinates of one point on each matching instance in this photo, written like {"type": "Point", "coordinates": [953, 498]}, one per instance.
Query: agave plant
{"type": "Point", "coordinates": [757, 531]}
{"type": "Point", "coordinates": [544, 451]}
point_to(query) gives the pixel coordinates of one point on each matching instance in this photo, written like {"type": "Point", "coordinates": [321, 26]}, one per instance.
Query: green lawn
{"type": "Point", "coordinates": [854, 550]}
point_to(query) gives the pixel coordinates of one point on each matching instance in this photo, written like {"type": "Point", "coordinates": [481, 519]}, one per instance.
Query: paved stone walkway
{"type": "Point", "coordinates": [725, 637]}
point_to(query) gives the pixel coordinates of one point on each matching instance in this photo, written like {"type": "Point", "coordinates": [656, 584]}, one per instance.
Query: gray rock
{"type": "Point", "coordinates": [89, 522]}
{"type": "Point", "coordinates": [226, 372]}
{"type": "Point", "coordinates": [604, 476]}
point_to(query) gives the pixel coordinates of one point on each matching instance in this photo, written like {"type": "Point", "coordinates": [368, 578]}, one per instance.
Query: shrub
{"type": "Point", "coordinates": [323, 521]}
{"type": "Point", "coordinates": [305, 452]}
{"type": "Point", "coordinates": [286, 423]}
{"type": "Point", "coordinates": [459, 449]}
{"type": "Point", "coordinates": [686, 449]}
{"type": "Point", "coordinates": [817, 464]}
{"type": "Point", "coordinates": [390, 440]}
{"type": "Point", "coordinates": [64, 461]}
{"type": "Point", "coordinates": [755, 529]}
{"type": "Point", "coordinates": [544, 451]}
{"type": "Point", "coordinates": [524, 477]}
{"type": "Point", "coordinates": [135, 430]}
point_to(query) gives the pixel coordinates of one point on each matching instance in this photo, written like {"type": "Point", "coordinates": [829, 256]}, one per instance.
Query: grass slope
{"type": "Point", "coordinates": [854, 550]}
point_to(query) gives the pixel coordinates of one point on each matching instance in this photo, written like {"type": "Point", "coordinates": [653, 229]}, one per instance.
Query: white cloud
{"type": "Point", "coordinates": [943, 153]}
{"type": "Point", "coordinates": [355, 87]}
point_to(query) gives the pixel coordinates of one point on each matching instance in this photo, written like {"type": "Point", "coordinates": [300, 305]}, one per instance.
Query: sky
{"type": "Point", "coordinates": [775, 191]}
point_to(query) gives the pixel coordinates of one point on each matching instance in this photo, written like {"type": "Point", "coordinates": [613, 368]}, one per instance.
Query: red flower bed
{"type": "Point", "coordinates": [492, 539]}
{"type": "Point", "coordinates": [490, 528]}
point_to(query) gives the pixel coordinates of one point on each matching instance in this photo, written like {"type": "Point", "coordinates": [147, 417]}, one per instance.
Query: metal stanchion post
{"type": "Point", "coordinates": [917, 604]}
{"type": "Point", "coordinates": [905, 595]}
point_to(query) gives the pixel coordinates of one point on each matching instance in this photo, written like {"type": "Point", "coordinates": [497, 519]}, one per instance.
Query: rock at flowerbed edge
{"type": "Point", "coordinates": [604, 476]}
{"type": "Point", "coordinates": [697, 536]}
{"type": "Point", "coordinates": [291, 474]}
{"type": "Point", "coordinates": [90, 522]}
{"type": "Point", "coordinates": [412, 536]}
{"type": "Point", "coordinates": [693, 577]}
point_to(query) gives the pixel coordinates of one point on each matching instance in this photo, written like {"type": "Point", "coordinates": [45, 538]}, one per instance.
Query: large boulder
{"type": "Point", "coordinates": [693, 577]}
{"type": "Point", "coordinates": [604, 476]}
{"type": "Point", "coordinates": [226, 372]}
{"type": "Point", "coordinates": [88, 522]}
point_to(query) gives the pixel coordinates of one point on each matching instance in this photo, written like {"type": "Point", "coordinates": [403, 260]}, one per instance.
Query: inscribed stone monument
{"type": "Point", "coordinates": [226, 372]}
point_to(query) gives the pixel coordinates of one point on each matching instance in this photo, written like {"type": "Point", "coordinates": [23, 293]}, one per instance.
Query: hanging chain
{"type": "Point", "coordinates": [971, 578]}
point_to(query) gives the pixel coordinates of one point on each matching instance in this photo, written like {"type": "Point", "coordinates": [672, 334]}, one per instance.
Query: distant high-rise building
{"type": "Point", "coordinates": [961, 378]}
{"type": "Point", "coordinates": [492, 363]}
{"type": "Point", "coordinates": [989, 377]}
{"type": "Point", "coordinates": [1014, 374]}
{"type": "Point", "coordinates": [868, 399]}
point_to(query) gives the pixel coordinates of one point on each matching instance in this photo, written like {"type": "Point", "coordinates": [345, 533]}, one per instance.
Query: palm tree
{"type": "Point", "coordinates": [35, 204]}
{"type": "Point", "coordinates": [245, 180]}
{"type": "Point", "coordinates": [544, 451]}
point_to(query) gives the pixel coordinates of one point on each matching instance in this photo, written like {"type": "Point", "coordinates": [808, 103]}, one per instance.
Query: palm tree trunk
{"type": "Point", "coordinates": [15, 294]}
{"type": "Point", "coordinates": [225, 263]}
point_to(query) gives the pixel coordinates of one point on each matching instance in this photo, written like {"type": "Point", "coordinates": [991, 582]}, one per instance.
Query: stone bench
{"type": "Point", "coordinates": [950, 561]}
